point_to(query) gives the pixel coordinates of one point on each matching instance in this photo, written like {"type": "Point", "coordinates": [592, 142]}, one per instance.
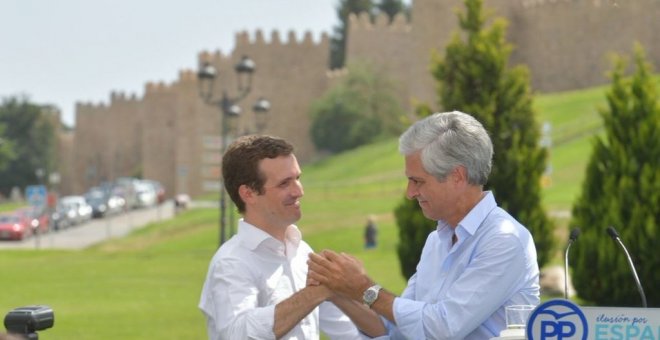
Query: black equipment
{"type": "Point", "coordinates": [26, 321]}
{"type": "Point", "coordinates": [571, 238]}
{"type": "Point", "coordinates": [615, 236]}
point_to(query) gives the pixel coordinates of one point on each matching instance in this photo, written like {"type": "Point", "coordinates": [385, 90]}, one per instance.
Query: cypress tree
{"type": "Point", "coordinates": [474, 77]}
{"type": "Point", "coordinates": [338, 39]}
{"type": "Point", "coordinates": [622, 189]}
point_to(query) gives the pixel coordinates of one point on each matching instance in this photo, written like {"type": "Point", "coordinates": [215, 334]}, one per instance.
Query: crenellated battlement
{"type": "Point", "coordinates": [152, 88]}
{"type": "Point", "coordinates": [243, 40]}
{"type": "Point", "coordinates": [90, 106]}
{"type": "Point", "coordinates": [381, 22]}
{"type": "Point", "coordinates": [212, 57]}
{"type": "Point", "coordinates": [122, 97]}
{"type": "Point", "coordinates": [187, 76]}
{"type": "Point", "coordinates": [562, 42]}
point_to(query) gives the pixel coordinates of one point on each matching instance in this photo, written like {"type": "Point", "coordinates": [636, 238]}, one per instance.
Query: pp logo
{"type": "Point", "coordinates": [557, 319]}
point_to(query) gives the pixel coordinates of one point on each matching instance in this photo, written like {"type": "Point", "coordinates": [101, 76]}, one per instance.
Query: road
{"type": "Point", "coordinates": [94, 231]}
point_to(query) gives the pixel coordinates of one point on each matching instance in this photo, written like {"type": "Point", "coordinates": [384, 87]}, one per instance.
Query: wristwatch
{"type": "Point", "coordinates": [371, 294]}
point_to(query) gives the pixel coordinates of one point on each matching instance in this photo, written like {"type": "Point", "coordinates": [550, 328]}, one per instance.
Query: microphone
{"type": "Point", "coordinates": [571, 238]}
{"type": "Point", "coordinates": [615, 236]}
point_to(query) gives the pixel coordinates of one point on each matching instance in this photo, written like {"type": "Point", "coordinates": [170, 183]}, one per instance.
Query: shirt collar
{"type": "Point", "coordinates": [252, 237]}
{"type": "Point", "coordinates": [471, 222]}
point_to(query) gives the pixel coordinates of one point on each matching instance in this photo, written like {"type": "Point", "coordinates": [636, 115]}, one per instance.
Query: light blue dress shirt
{"type": "Point", "coordinates": [460, 291]}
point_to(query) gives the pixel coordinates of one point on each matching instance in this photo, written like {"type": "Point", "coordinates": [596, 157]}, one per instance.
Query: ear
{"type": "Point", "coordinates": [247, 194]}
{"type": "Point", "coordinates": [460, 174]}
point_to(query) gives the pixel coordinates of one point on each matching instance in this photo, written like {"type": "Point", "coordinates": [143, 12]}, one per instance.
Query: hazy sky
{"type": "Point", "coordinates": [66, 51]}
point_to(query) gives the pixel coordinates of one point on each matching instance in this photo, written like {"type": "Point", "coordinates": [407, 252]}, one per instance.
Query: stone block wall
{"type": "Point", "coordinates": [172, 136]}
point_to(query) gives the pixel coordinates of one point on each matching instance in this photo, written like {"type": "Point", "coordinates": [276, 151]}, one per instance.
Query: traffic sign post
{"type": "Point", "coordinates": [36, 195]}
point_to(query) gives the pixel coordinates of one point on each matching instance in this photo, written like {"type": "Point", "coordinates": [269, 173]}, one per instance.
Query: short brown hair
{"type": "Point", "coordinates": [240, 163]}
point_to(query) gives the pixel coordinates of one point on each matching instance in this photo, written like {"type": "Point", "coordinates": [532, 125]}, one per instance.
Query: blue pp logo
{"type": "Point", "coordinates": [557, 319]}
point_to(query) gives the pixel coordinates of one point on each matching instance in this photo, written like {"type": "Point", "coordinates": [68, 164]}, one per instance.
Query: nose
{"type": "Point", "coordinates": [411, 191]}
{"type": "Point", "coordinates": [298, 190]}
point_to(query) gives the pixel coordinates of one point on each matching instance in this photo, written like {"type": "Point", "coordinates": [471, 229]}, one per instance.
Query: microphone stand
{"type": "Point", "coordinates": [573, 236]}
{"type": "Point", "coordinates": [615, 236]}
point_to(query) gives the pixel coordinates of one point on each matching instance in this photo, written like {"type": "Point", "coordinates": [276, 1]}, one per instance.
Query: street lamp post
{"type": "Point", "coordinates": [230, 111]}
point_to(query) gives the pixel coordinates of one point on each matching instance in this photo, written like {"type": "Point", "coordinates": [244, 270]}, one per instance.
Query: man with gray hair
{"type": "Point", "coordinates": [477, 261]}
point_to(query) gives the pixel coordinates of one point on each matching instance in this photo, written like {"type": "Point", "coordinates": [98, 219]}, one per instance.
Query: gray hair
{"type": "Point", "coordinates": [448, 140]}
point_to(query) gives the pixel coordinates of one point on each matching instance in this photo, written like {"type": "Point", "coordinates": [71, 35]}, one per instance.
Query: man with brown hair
{"type": "Point", "coordinates": [256, 283]}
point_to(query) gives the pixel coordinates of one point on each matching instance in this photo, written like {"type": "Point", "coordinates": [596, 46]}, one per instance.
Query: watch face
{"type": "Point", "coordinates": [371, 294]}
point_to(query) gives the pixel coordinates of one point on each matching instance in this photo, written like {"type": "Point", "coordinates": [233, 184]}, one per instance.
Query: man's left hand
{"type": "Point", "coordinates": [342, 273]}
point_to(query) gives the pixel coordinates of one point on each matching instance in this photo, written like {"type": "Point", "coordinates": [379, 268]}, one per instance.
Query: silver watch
{"type": "Point", "coordinates": [371, 294]}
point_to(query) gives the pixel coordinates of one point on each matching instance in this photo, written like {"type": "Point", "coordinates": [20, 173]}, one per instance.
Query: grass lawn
{"type": "Point", "coordinates": [147, 285]}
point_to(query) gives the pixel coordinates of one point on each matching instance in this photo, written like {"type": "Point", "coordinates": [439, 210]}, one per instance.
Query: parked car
{"type": "Point", "coordinates": [37, 217]}
{"type": "Point", "coordinates": [104, 203]}
{"type": "Point", "coordinates": [146, 194]}
{"type": "Point", "coordinates": [160, 190]}
{"type": "Point", "coordinates": [125, 188]}
{"type": "Point", "coordinates": [79, 209]}
{"type": "Point", "coordinates": [60, 217]}
{"type": "Point", "coordinates": [14, 227]}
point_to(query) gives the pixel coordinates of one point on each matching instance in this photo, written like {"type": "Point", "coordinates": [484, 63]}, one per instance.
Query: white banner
{"type": "Point", "coordinates": [562, 319]}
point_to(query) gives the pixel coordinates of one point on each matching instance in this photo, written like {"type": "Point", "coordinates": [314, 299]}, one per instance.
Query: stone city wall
{"type": "Point", "coordinates": [170, 135]}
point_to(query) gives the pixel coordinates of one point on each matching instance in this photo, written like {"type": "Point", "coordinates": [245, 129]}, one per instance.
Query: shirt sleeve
{"type": "Point", "coordinates": [483, 287]}
{"type": "Point", "coordinates": [231, 305]}
{"type": "Point", "coordinates": [335, 324]}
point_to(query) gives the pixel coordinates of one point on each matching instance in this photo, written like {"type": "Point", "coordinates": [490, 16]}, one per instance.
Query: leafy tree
{"type": "Point", "coordinates": [344, 9]}
{"type": "Point", "coordinates": [392, 8]}
{"type": "Point", "coordinates": [31, 134]}
{"type": "Point", "coordinates": [6, 148]}
{"type": "Point", "coordinates": [360, 109]}
{"type": "Point", "coordinates": [622, 189]}
{"type": "Point", "coordinates": [474, 77]}
{"type": "Point", "coordinates": [338, 40]}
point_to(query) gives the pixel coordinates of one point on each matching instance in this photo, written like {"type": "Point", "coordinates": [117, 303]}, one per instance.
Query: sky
{"type": "Point", "coordinates": [67, 51]}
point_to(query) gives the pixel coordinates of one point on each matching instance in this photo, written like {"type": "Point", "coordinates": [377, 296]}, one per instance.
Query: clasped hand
{"type": "Point", "coordinates": [343, 274]}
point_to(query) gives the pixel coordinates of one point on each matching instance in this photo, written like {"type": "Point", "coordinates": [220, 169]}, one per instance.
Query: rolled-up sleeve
{"type": "Point", "coordinates": [229, 302]}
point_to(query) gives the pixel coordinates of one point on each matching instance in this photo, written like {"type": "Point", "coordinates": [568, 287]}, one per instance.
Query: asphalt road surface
{"type": "Point", "coordinates": [94, 231]}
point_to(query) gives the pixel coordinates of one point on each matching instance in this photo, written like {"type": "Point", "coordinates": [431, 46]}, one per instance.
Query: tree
{"type": "Point", "coordinates": [474, 77]}
{"type": "Point", "coordinates": [622, 189]}
{"type": "Point", "coordinates": [6, 149]}
{"type": "Point", "coordinates": [32, 136]}
{"type": "Point", "coordinates": [338, 39]}
{"type": "Point", "coordinates": [392, 8]}
{"type": "Point", "coordinates": [414, 228]}
{"type": "Point", "coordinates": [347, 7]}
{"type": "Point", "coordinates": [359, 110]}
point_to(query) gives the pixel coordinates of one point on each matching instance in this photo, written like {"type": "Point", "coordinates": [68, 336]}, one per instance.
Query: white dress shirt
{"type": "Point", "coordinates": [460, 291]}
{"type": "Point", "coordinates": [249, 275]}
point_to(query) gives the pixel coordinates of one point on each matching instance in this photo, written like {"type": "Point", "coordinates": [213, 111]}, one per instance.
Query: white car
{"type": "Point", "coordinates": [146, 194]}
{"type": "Point", "coordinates": [78, 204]}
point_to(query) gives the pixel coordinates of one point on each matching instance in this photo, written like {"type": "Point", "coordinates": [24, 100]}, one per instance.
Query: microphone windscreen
{"type": "Point", "coordinates": [612, 232]}
{"type": "Point", "coordinates": [574, 234]}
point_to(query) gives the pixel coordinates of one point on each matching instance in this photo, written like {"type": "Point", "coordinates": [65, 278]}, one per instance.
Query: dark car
{"type": "Point", "coordinates": [60, 217]}
{"type": "Point", "coordinates": [104, 203]}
